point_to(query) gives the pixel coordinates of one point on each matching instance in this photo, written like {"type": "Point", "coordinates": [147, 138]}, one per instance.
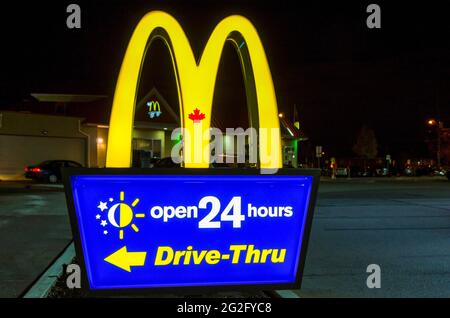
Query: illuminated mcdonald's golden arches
{"type": "Point", "coordinates": [154, 106]}
{"type": "Point", "coordinates": [195, 83]}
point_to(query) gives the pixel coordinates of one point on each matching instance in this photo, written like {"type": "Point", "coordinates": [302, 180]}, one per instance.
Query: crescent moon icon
{"type": "Point", "coordinates": [111, 214]}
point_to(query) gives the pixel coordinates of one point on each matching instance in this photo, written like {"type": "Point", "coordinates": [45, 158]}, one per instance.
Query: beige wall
{"type": "Point", "coordinates": [91, 131]}
{"type": "Point", "coordinates": [27, 139]}
{"type": "Point", "coordinates": [98, 139]}
{"type": "Point", "coordinates": [17, 123]}
{"type": "Point", "coordinates": [101, 144]}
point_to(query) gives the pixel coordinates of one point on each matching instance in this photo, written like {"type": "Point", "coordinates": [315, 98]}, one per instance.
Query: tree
{"type": "Point", "coordinates": [366, 143]}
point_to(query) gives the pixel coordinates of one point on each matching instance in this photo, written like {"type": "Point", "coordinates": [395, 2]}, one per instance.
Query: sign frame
{"type": "Point", "coordinates": [67, 173]}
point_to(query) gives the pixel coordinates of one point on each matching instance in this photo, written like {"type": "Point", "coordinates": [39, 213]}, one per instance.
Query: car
{"type": "Point", "coordinates": [341, 172]}
{"type": "Point", "coordinates": [50, 170]}
{"type": "Point", "coordinates": [166, 163]}
{"type": "Point", "coordinates": [408, 171]}
{"type": "Point", "coordinates": [358, 171]}
{"type": "Point", "coordinates": [424, 171]}
{"type": "Point", "coordinates": [382, 172]}
{"type": "Point", "coordinates": [220, 165]}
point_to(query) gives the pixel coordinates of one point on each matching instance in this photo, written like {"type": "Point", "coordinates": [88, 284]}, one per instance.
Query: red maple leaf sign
{"type": "Point", "coordinates": [196, 116]}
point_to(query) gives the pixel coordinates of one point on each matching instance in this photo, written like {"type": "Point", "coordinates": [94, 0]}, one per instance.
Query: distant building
{"type": "Point", "coordinates": [290, 138]}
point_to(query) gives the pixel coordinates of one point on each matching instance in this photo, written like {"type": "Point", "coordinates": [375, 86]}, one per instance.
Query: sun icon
{"type": "Point", "coordinates": [121, 215]}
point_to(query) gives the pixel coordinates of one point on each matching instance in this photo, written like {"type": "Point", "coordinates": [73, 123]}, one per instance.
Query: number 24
{"type": "Point", "coordinates": [234, 206]}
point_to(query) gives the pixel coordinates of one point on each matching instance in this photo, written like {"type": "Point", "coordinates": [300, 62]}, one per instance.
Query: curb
{"type": "Point", "coordinates": [44, 185]}
{"type": "Point", "coordinates": [382, 179]}
{"type": "Point", "coordinates": [42, 286]}
{"type": "Point", "coordinates": [285, 294]}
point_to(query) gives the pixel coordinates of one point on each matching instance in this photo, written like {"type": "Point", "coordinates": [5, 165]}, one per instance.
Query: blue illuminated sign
{"type": "Point", "coordinates": [185, 230]}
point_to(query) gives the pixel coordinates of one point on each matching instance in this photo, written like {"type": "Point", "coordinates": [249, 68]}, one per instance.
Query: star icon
{"type": "Point", "coordinates": [111, 199]}
{"type": "Point", "coordinates": [97, 216]}
{"type": "Point", "coordinates": [105, 232]}
{"type": "Point", "coordinates": [103, 223]}
{"type": "Point", "coordinates": [102, 206]}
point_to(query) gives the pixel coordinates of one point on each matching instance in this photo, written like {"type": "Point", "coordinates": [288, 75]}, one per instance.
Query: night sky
{"type": "Point", "coordinates": [339, 74]}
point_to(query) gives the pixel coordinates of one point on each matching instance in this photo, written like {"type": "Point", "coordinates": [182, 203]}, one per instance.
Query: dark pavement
{"type": "Point", "coordinates": [34, 228]}
{"type": "Point", "coordinates": [401, 225]}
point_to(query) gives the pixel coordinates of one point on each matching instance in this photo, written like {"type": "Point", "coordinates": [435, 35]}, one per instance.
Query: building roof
{"type": "Point", "coordinates": [289, 131]}
{"type": "Point", "coordinates": [100, 108]}
{"type": "Point", "coordinates": [155, 95]}
{"type": "Point", "coordinates": [67, 98]}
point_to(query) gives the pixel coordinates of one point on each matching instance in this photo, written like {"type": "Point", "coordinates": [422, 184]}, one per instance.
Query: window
{"type": "Point", "coordinates": [145, 151]}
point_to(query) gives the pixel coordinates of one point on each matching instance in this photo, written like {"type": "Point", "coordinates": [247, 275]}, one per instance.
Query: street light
{"type": "Point", "coordinates": [432, 123]}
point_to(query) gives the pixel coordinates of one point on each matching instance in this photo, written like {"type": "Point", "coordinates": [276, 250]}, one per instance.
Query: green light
{"type": "Point", "coordinates": [178, 140]}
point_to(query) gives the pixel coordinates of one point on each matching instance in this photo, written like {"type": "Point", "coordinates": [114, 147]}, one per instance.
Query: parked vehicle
{"type": "Point", "coordinates": [382, 172]}
{"type": "Point", "coordinates": [408, 171]}
{"type": "Point", "coordinates": [220, 165]}
{"type": "Point", "coordinates": [424, 171]}
{"type": "Point", "coordinates": [357, 171]}
{"type": "Point", "coordinates": [50, 170]}
{"type": "Point", "coordinates": [341, 172]}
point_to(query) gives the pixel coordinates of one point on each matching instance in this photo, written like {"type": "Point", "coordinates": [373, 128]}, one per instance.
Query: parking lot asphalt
{"type": "Point", "coordinates": [401, 225]}
{"type": "Point", "coordinates": [34, 229]}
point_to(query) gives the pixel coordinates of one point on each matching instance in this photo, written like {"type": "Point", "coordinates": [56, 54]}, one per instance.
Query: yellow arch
{"type": "Point", "coordinates": [195, 84]}
{"type": "Point", "coordinates": [154, 106]}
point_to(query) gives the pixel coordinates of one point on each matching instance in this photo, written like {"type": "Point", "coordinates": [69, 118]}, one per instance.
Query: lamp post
{"type": "Point", "coordinates": [319, 154]}
{"type": "Point", "coordinates": [438, 124]}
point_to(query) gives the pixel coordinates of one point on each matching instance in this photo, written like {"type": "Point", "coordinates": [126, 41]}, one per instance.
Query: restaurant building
{"type": "Point", "coordinates": [75, 127]}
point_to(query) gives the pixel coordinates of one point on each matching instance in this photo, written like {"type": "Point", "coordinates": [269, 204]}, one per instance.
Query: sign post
{"type": "Point", "coordinates": [318, 155]}
{"type": "Point", "coordinates": [179, 229]}
{"type": "Point", "coordinates": [190, 229]}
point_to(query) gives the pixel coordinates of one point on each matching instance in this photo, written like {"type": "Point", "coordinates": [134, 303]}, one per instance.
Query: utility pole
{"type": "Point", "coordinates": [318, 155]}
{"type": "Point", "coordinates": [439, 127]}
